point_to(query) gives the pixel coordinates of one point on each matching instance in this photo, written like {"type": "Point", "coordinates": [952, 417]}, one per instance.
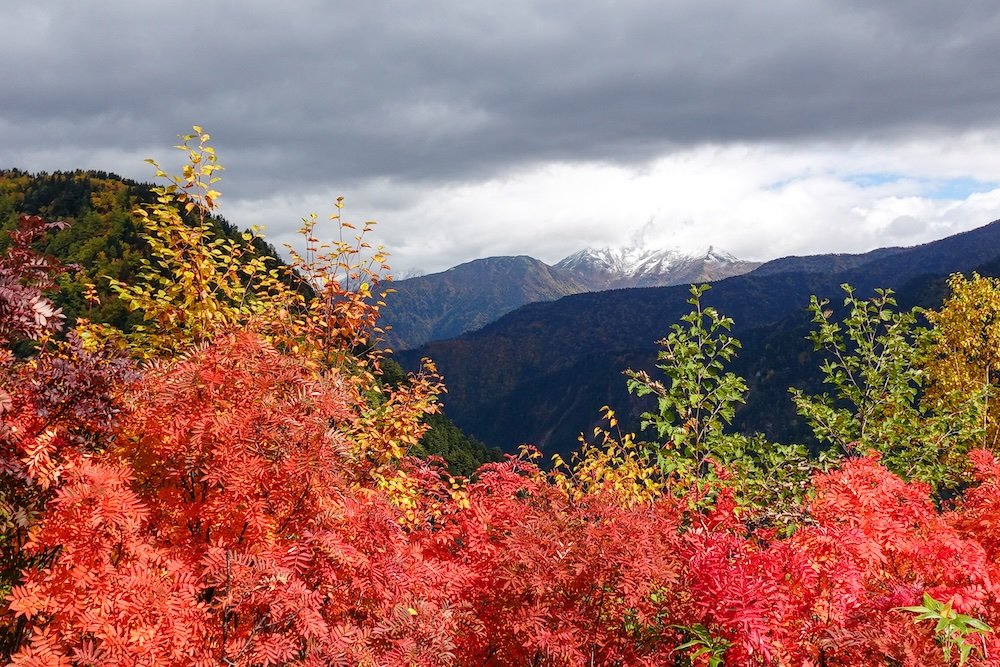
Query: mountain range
{"type": "Point", "coordinates": [471, 295]}
{"type": "Point", "coordinates": [541, 373]}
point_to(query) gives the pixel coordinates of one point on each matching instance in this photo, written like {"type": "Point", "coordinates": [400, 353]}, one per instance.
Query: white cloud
{"type": "Point", "coordinates": [757, 201]}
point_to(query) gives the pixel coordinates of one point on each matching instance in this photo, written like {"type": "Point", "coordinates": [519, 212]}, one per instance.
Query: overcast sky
{"type": "Point", "coordinates": [469, 129]}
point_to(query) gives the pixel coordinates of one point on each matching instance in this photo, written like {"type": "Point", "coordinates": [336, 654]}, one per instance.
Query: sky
{"type": "Point", "coordinates": [471, 129]}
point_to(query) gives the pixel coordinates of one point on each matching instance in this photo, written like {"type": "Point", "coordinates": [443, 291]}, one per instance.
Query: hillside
{"type": "Point", "coordinates": [541, 373]}
{"type": "Point", "coordinates": [103, 239]}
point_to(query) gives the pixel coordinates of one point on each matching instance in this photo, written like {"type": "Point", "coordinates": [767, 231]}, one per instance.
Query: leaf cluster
{"type": "Point", "coordinates": [951, 628]}
{"type": "Point", "coordinates": [875, 364]}
{"type": "Point", "coordinates": [964, 360]}
{"type": "Point", "coordinates": [699, 397]}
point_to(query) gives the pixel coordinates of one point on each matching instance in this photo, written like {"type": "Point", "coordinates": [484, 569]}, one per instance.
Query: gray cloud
{"type": "Point", "coordinates": [439, 90]}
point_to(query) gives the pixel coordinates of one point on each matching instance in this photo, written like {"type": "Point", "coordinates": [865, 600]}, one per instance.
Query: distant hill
{"type": "Point", "coordinates": [541, 373]}
{"type": "Point", "coordinates": [823, 263]}
{"type": "Point", "coordinates": [103, 239]}
{"type": "Point", "coordinates": [471, 295]}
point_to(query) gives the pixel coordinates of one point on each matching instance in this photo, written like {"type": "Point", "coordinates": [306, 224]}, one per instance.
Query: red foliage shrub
{"type": "Point", "coordinates": [25, 277]}
{"type": "Point", "coordinates": [224, 525]}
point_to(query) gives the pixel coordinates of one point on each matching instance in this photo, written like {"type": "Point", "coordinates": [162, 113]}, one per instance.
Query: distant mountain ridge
{"type": "Point", "coordinates": [831, 263]}
{"type": "Point", "coordinates": [541, 373]}
{"type": "Point", "coordinates": [471, 295]}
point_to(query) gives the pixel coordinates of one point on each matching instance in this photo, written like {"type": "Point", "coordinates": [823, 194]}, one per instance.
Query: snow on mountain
{"type": "Point", "coordinates": [609, 268]}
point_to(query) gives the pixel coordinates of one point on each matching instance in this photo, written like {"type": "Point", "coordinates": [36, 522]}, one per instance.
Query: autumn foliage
{"type": "Point", "coordinates": [232, 485]}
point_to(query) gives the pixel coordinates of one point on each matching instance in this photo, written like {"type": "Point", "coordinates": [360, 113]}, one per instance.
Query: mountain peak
{"type": "Point", "coordinates": [630, 266]}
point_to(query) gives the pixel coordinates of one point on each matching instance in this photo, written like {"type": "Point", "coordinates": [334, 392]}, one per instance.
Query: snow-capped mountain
{"type": "Point", "coordinates": [611, 268]}
{"type": "Point", "coordinates": [471, 295]}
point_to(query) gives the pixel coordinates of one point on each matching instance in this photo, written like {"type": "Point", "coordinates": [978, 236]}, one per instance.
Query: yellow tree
{"type": "Point", "coordinates": [194, 286]}
{"type": "Point", "coordinates": [965, 360]}
{"type": "Point", "coordinates": [194, 283]}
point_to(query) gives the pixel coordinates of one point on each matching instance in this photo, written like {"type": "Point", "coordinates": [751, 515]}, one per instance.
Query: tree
{"type": "Point", "coordinates": [255, 434]}
{"type": "Point", "coordinates": [874, 365]}
{"type": "Point", "coordinates": [694, 405]}
{"type": "Point", "coordinates": [194, 282]}
{"type": "Point", "coordinates": [60, 399]}
{"type": "Point", "coordinates": [964, 362]}
{"type": "Point", "coordinates": [228, 523]}
{"type": "Point", "coordinates": [700, 397]}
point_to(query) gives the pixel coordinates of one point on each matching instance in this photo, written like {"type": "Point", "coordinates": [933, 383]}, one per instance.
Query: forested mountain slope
{"type": "Point", "coordinates": [541, 374]}
{"type": "Point", "coordinates": [103, 239]}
